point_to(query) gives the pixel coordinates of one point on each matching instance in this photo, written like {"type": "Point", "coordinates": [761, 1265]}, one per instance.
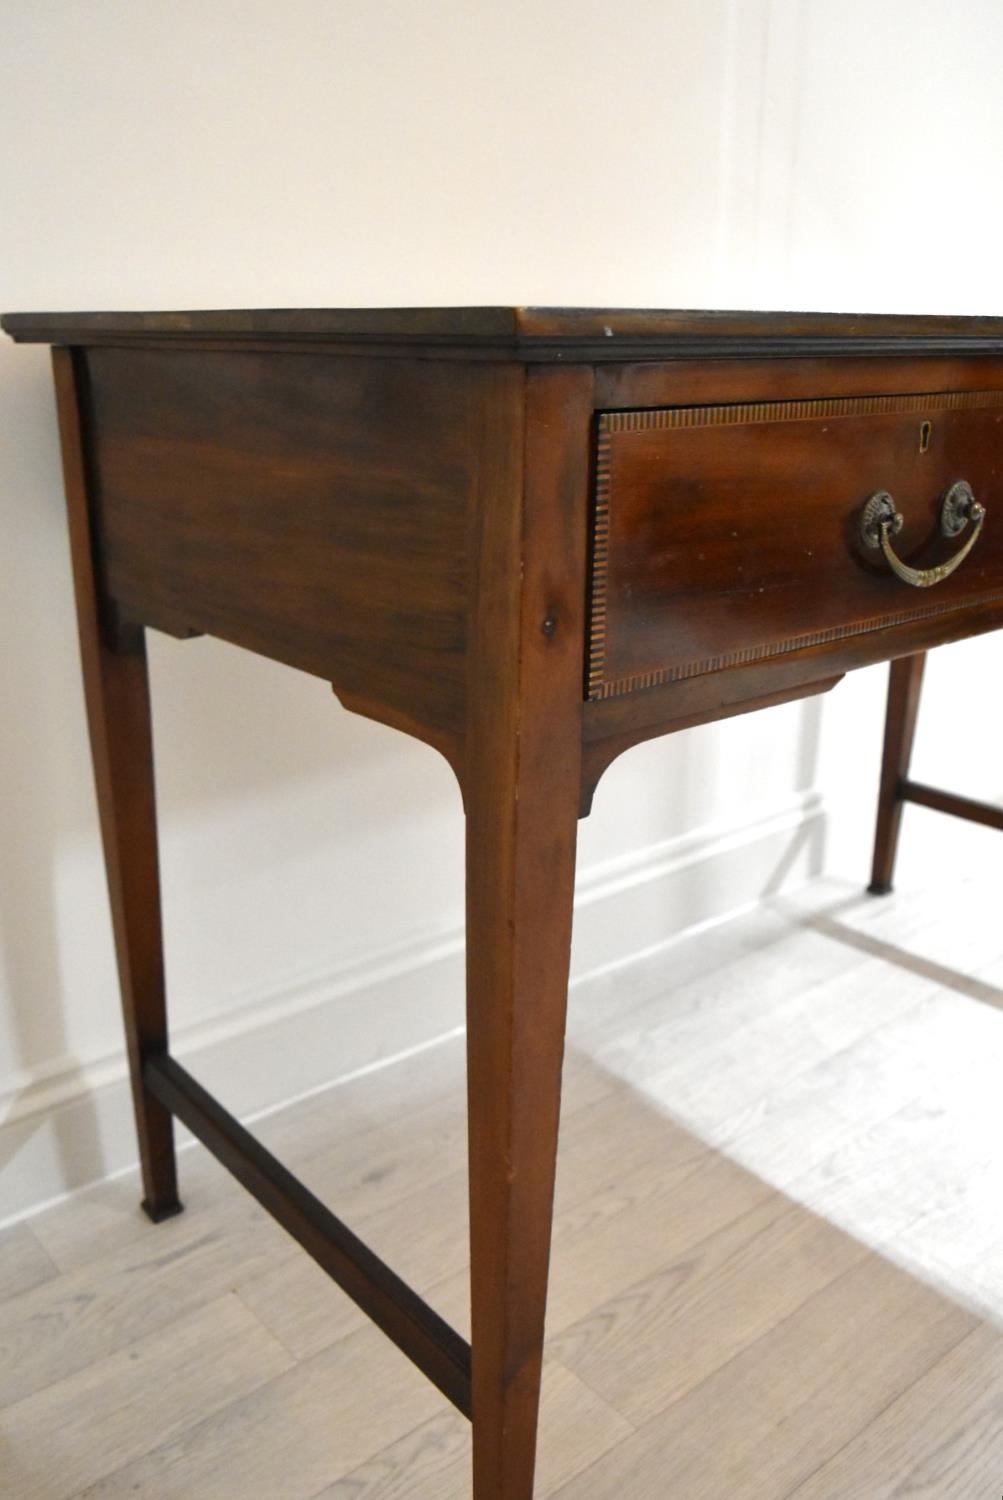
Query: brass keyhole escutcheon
{"type": "Point", "coordinates": [925, 434]}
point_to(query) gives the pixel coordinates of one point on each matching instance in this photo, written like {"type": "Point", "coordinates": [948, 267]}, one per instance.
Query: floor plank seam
{"type": "Point", "coordinates": [876, 1416]}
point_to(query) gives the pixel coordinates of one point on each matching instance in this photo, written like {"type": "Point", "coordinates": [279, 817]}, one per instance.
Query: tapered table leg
{"type": "Point", "coordinates": [116, 689]}
{"type": "Point", "coordinates": [904, 688]}
{"type": "Point", "coordinates": [522, 789]}
{"type": "Point", "coordinates": [521, 862]}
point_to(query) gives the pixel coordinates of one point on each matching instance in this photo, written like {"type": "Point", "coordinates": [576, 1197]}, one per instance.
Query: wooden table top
{"type": "Point", "coordinates": [529, 333]}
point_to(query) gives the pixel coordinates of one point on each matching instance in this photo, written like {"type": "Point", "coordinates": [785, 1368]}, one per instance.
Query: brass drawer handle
{"type": "Point", "coordinates": [880, 521]}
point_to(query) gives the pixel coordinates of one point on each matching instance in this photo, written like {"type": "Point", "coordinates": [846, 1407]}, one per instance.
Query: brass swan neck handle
{"type": "Point", "coordinates": [880, 521]}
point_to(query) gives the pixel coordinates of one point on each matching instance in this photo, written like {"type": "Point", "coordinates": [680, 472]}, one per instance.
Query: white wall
{"type": "Point", "coordinates": [241, 153]}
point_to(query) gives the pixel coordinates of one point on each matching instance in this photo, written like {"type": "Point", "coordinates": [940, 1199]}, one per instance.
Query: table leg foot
{"type": "Point", "coordinates": [158, 1212]}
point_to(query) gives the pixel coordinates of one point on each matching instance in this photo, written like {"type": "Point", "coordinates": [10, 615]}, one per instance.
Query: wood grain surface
{"type": "Point", "coordinates": [726, 535]}
{"type": "Point", "coordinates": [776, 1250]}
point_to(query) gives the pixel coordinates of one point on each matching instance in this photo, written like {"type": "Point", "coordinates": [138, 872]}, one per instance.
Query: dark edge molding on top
{"type": "Point", "coordinates": [526, 333]}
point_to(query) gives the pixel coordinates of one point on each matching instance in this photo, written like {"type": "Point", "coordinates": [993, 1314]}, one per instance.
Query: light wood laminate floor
{"type": "Point", "coordinates": [778, 1260]}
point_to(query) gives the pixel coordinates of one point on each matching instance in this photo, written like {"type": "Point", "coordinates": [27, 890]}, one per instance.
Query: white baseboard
{"type": "Point", "coordinates": [73, 1126]}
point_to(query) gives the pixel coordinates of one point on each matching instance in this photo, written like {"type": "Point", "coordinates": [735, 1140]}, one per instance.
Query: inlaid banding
{"type": "Point", "coordinates": [622, 423]}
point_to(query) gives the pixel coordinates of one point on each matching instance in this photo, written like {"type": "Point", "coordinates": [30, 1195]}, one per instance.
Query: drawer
{"type": "Point", "coordinates": [725, 535]}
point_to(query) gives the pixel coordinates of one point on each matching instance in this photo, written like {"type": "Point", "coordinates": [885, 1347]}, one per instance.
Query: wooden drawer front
{"type": "Point", "coordinates": [730, 534]}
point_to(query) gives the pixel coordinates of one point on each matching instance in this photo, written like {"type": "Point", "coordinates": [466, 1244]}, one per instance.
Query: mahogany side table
{"type": "Point", "coordinates": [532, 538]}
